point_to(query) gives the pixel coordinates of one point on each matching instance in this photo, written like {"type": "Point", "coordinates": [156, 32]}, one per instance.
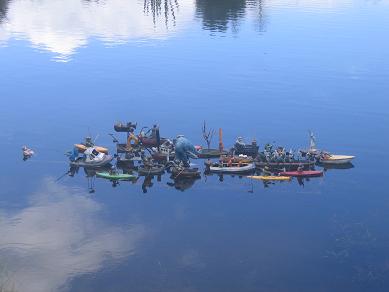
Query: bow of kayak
{"type": "Point", "coordinates": [269, 178]}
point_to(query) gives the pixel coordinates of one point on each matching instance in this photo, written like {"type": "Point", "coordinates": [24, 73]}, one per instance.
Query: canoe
{"type": "Point", "coordinates": [82, 148]}
{"type": "Point", "coordinates": [336, 159]}
{"type": "Point", "coordinates": [304, 173]}
{"type": "Point", "coordinates": [270, 177]}
{"type": "Point", "coordinates": [115, 176]}
{"type": "Point", "coordinates": [232, 169]}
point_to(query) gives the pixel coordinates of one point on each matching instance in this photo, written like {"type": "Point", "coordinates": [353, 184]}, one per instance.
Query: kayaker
{"type": "Point", "coordinates": [300, 168]}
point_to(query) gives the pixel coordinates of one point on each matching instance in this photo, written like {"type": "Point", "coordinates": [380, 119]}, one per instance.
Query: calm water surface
{"type": "Point", "coordinates": [269, 70]}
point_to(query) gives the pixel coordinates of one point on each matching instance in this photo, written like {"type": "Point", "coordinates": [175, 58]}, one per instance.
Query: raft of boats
{"type": "Point", "coordinates": [148, 154]}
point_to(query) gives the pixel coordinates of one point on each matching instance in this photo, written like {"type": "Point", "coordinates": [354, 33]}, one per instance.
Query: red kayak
{"type": "Point", "coordinates": [304, 173]}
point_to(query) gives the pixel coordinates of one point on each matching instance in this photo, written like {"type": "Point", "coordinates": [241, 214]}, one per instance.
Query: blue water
{"type": "Point", "coordinates": [270, 70]}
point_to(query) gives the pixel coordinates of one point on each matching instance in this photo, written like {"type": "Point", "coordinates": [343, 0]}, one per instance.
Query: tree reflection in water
{"type": "Point", "coordinates": [3, 9]}
{"type": "Point", "coordinates": [164, 8]}
{"type": "Point", "coordinates": [218, 15]}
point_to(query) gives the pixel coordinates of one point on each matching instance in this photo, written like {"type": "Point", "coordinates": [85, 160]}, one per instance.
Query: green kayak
{"type": "Point", "coordinates": [115, 176]}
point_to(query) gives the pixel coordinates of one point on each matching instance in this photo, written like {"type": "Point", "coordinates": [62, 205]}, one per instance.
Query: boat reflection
{"type": "Point", "coordinates": [221, 176]}
{"type": "Point", "coordinates": [336, 166]}
{"type": "Point", "coordinates": [58, 236]}
{"type": "Point", "coordinates": [184, 183]}
{"type": "Point", "coordinates": [148, 181]}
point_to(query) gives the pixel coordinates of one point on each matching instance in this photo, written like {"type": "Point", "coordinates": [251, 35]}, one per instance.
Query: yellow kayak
{"type": "Point", "coordinates": [82, 148]}
{"type": "Point", "coordinates": [269, 177]}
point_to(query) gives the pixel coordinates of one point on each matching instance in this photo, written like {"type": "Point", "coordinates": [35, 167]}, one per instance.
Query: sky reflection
{"type": "Point", "coordinates": [63, 26]}
{"type": "Point", "coordinates": [57, 237]}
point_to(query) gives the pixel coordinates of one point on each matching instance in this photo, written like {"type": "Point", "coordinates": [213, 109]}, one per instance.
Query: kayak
{"type": "Point", "coordinates": [293, 165]}
{"type": "Point", "coordinates": [304, 173]}
{"type": "Point", "coordinates": [115, 176]}
{"type": "Point", "coordinates": [336, 159]}
{"type": "Point", "coordinates": [82, 148]}
{"type": "Point", "coordinates": [234, 168]}
{"type": "Point", "coordinates": [270, 177]}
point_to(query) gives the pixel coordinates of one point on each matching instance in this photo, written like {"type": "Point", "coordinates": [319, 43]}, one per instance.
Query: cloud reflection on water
{"type": "Point", "coordinates": [63, 26]}
{"type": "Point", "coordinates": [57, 237]}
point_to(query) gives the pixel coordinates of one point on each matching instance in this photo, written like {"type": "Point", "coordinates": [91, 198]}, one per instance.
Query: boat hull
{"type": "Point", "coordinates": [337, 159]}
{"type": "Point", "coordinates": [269, 178]}
{"type": "Point", "coordinates": [232, 169]}
{"type": "Point", "coordinates": [307, 173]}
{"type": "Point", "coordinates": [287, 165]}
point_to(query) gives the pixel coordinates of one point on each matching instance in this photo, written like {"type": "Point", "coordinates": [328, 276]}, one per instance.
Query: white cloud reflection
{"type": "Point", "coordinates": [62, 26]}
{"type": "Point", "coordinates": [57, 237]}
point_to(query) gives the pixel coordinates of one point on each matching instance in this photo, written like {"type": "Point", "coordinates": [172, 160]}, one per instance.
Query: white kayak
{"type": "Point", "coordinates": [336, 159]}
{"type": "Point", "coordinates": [225, 168]}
